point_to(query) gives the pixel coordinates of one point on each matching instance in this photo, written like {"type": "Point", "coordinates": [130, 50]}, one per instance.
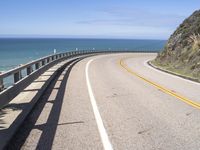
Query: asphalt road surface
{"type": "Point", "coordinates": [116, 102]}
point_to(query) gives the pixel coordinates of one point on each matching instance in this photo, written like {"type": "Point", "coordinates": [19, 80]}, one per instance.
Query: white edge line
{"type": "Point", "coordinates": [102, 131]}
{"type": "Point", "coordinates": [171, 75]}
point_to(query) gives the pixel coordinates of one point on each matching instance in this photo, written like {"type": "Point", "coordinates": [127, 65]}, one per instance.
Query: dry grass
{"type": "Point", "coordinates": [195, 39]}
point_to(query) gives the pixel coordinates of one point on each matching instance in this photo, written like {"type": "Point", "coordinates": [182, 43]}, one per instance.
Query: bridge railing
{"type": "Point", "coordinates": [23, 75]}
{"type": "Point", "coordinates": [17, 74]}
{"type": "Point", "coordinates": [25, 70]}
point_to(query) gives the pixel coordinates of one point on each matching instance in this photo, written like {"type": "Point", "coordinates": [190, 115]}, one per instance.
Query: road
{"type": "Point", "coordinates": [117, 102]}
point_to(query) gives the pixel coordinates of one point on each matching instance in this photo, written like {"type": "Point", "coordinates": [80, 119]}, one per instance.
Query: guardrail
{"type": "Point", "coordinates": [25, 70]}
{"type": "Point", "coordinates": [23, 75]}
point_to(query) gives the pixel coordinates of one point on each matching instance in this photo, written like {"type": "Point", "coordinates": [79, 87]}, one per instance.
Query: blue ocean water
{"type": "Point", "coordinates": [15, 51]}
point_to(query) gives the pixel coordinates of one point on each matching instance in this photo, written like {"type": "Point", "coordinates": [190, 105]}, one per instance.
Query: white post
{"type": "Point", "coordinates": [54, 51]}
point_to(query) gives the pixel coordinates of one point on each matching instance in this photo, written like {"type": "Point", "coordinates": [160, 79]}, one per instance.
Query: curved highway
{"type": "Point", "coordinates": [114, 101]}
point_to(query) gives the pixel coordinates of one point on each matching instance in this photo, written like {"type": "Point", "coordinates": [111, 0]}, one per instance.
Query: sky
{"type": "Point", "coordinates": [129, 19]}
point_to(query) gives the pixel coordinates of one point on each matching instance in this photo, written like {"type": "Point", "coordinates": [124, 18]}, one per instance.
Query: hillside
{"type": "Point", "coordinates": [182, 51]}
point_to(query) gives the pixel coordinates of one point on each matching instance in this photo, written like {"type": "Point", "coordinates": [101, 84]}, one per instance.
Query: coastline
{"type": "Point", "coordinates": [21, 51]}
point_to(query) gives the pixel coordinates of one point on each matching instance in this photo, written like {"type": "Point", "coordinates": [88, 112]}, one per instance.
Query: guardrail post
{"type": "Point", "coordinates": [17, 76]}
{"type": "Point", "coordinates": [1, 85]}
{"type": "Point", "coordinates": [29, 70]}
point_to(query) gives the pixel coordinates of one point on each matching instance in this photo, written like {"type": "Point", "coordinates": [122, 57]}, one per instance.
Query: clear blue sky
{"type": "Point", "coordinates": [143, 19]}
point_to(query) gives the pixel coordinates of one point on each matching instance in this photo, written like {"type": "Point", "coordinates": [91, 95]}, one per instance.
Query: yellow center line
{"type": "Point", "coordinates": [163, 89]}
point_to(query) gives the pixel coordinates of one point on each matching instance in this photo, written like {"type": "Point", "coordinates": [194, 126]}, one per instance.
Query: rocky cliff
{"type": "Point", "coordinates": [182, 51]}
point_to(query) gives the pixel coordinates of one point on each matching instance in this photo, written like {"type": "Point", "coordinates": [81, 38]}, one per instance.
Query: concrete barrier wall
{"type": "Point", "coordinates": [41, 65]}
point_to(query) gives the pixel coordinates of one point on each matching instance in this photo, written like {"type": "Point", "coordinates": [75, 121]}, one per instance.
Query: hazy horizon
{"type": "Point", "coordinates": [72, 37]}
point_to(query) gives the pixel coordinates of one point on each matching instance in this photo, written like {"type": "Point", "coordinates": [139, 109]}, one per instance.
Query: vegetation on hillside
{"type": "Point", "coordinates": [182, 51]}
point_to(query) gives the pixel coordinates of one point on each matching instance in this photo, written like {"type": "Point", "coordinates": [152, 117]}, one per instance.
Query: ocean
{"type": "Point", "coordinates": [16, 51]}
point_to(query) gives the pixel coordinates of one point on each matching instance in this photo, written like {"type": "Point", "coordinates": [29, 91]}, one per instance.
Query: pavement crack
{"type": "Point", "coordinates": [188, 114]}
{"type": "Point", "coordinates": [118, 95]}
{"type": "Point", "coordinates": [144, 131]}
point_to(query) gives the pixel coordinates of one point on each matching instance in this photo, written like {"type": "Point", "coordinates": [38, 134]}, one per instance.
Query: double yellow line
{"type": "Point", "coordinates": [163, 89]}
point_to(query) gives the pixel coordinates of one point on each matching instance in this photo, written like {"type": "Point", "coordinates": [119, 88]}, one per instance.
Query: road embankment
{"type": "Point", "coordinates": [174, 71]}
